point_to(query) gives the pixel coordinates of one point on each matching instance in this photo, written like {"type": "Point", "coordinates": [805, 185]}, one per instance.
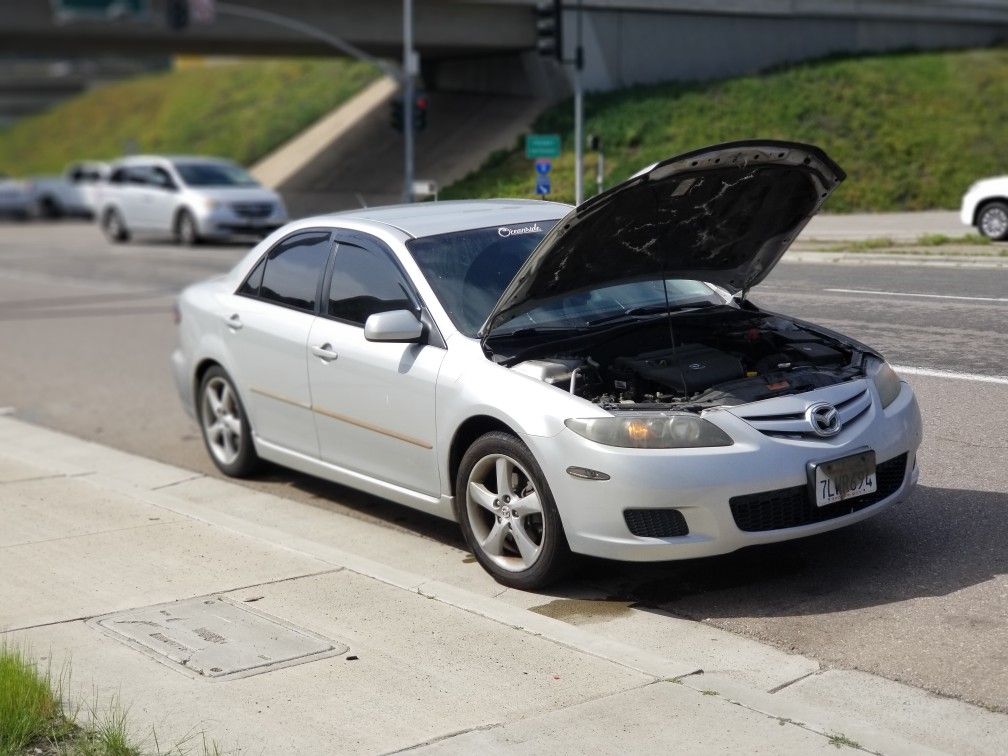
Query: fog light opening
{"type": "Point", "coordinates": [586, 474]}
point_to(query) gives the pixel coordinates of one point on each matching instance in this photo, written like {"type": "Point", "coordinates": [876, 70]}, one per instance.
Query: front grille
{"type": "Point", "coordinates": [656, 523]}
{"type": "Point", "coordinates": [791, 507]}
{"type": "Point", "coordinates": [252, 209]}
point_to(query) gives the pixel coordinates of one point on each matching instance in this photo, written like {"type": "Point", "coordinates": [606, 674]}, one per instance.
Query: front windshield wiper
{"type": "Point", "coordinates": [655, 309]}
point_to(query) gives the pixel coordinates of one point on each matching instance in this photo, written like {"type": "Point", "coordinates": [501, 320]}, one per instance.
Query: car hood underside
{"type": "Point", "coordinates": [724, 214]}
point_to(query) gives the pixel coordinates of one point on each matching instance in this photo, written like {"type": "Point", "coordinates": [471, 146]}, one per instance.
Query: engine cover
{"type": "Point", "coordinates": [688, 369]}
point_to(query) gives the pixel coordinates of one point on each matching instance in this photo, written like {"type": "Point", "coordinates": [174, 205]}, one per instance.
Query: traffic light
{"type": "Point", "coordinates": [397, 114]}
{"type": "Point", "coordinates": [177, 14]}
{"type": "Point", "coordinates": [549, 37]}
{"type": "Point", "coordinates": [420, 104]}
{"type": "Point", "coordinates": [420, 107]}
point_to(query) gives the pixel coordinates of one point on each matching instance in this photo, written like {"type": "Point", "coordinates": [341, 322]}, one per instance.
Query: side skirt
{"type": "Point", "coordinates": [441, 506]}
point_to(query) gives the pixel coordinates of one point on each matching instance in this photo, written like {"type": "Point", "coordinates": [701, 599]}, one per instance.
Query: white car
{"type": "Point", "coordinates": [15, 198]}
{"type": "Point", "coordinates": [985, 207]}
{"type": "Point", "coordinates": [188, 198]}
{"type": "Point", "coordinates": [559, 380]}
{"type": "Point", "coordinates": [74, 193]}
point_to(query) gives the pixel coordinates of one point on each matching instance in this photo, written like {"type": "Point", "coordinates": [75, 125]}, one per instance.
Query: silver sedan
{"type": "Point", "coordinates": [559, 381]}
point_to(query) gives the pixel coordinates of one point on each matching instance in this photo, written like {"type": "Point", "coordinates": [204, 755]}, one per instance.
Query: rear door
{"type": "Point", "coordinates": [374, 401]}
{"type": "Point", "coordinates": [266, 327]}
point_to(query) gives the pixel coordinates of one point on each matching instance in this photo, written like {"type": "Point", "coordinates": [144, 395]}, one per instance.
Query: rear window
{"type": "Point", "coordinates": [469, 270]}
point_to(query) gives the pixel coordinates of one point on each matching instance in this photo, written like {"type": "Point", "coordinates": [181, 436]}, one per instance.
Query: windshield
{"type": "Point", "coordinates": [610, 304]}
{"type": "Point", "coordinates": [214, 174]}
{"type": "Point", "coordinates": [469, 270]}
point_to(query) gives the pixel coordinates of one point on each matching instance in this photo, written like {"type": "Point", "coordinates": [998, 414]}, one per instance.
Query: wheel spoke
{"type": "Point", "coordinates": [493, 544]}
{"type": "Point", "coordinates": [215, 429]}
{"type": "Point", "coordinates": [527, 505]}
{"type": "Point", "coordinates": [229, 444]}
{"type": "Point", "coordinates": [528, 549]}
{"type": "Point", "coordinates": [503, 476]}
{"type": "Point", "coordinates": [232, 423]}
{"type": "Point", "coordinates": [226, 400]}
{"type": "Point", "coordinates": [482, 496]}
{"type": "Point", "coordinates": [215, 402]}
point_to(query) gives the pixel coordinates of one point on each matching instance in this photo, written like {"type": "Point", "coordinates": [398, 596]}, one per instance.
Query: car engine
{"type": "Point", "coordinates": [724, 359]}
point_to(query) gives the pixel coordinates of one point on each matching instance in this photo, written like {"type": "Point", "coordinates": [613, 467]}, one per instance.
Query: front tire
{"type": "Point", "coordinates": [186, 231]}
{"type": "Point", "coordinates": [225, 426]}
{"type": "Point", "coordinates": [508, 515]}
{"type": "Point", "coordinates": [114, 227]}
{"type": "Point", "coordinates": [992, 221]}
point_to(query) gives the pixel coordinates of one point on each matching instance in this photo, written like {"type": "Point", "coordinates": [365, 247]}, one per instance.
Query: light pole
{"type": "Point", "coordinates": [409, 95]}
{"type": "Point", "coordinates": [578, 115]}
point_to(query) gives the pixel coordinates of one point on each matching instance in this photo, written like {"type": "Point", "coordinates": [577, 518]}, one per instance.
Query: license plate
{"type": "Point", "coordinates": [844, 478]}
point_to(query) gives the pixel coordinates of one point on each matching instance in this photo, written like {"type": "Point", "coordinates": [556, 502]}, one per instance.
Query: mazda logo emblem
{"type": "Point", "coordinates": [824, 419]}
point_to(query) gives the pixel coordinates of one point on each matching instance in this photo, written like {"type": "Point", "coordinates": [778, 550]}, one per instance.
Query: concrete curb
{"type": "Point", "coordinates": [182, 493]}
{"type": "Point", "coordinates": [872, 258]}
{"type": "Point", "coordinates": [290, 158]}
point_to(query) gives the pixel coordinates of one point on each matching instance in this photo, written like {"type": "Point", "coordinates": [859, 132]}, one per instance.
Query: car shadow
{"type": "Point", "coordinates": [937, 542]}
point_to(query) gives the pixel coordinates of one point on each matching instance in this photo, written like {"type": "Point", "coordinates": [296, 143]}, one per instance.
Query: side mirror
{"type": "Point", "coordinates": [395, 325]}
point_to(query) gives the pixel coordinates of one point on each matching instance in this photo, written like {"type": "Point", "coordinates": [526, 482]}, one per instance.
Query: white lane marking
{"type": "Point", "coordinates": [926, 296]}
{"type": "Point", "coordinates": [929, 373]}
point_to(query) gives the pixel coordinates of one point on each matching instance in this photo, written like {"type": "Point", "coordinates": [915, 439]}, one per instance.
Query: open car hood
{"type": "Point", "coordinates": [724, 214]}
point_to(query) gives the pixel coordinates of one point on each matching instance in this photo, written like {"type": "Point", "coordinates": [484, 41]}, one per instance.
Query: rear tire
{"type": "Point", "coordinates": [507, 514]}
{"type": "Point", "coordinates": [224, 423]}
{"type": "Point", "coordinates": [186, 230]}
{"type": "Point", "coordinates": [992, 221]}
{"type": "Point", "coordinates": [114, 227]}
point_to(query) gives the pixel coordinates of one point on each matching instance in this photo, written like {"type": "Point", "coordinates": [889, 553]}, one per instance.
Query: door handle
{"type": "Point", "coordinates": [234, 322]}
{"type": "Point", "coordinates": [324, 352]}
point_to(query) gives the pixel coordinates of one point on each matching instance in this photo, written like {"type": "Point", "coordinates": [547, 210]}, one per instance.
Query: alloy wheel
{"type": "Point", "coordinates": [994, 222]}
{"type": "Point", "coordinates": [505, 512]}
{"type": "Point", "coordinates": [222, 422]}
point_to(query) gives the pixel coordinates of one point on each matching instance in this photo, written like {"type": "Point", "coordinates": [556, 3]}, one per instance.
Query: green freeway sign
{"type": "Point", "coordinates": [542, 145]}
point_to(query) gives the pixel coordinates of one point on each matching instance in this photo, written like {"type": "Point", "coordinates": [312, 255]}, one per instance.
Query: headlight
{"type": "Point", "coordinates": [669, 431]}
{"type": "Point", "coordinates": [887, 383]}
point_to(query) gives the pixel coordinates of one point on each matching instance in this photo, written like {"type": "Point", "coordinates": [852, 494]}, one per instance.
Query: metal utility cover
{"type": "Point", "coordinates": [216, 638]}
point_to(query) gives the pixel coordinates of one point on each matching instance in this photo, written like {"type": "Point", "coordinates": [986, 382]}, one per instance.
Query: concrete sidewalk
{"type": "Point", "coordinates": [900, 227]}
{"type": "Point", "coordinates": [397, 659]}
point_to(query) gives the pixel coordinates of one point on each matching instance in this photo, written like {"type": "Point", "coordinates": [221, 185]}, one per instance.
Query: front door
{"type": "Point", "coordinates": [374, 401]}
{"type": "Point", "coordinates": [266, 327]}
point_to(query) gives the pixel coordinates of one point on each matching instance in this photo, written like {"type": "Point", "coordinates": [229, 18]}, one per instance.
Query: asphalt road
{"type": "Point", "coordinates": [917, 594]}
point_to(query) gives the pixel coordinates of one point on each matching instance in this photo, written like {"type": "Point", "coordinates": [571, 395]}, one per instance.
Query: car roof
{"type": "Point", "coordinates": [433, 218]}
{"type": "Point", "coordinates": [133, 159]}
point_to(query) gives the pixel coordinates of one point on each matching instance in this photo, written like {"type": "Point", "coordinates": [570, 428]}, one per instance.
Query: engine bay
{"type": "Point", "coordinates": [726, 357]}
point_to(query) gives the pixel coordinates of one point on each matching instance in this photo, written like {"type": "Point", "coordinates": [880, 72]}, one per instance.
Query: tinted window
{"type": "Point", "coordinates": [364, 282]}
{"type": "Point", "coordinates": [139, 175]}
{"type": "Point", "coordinates": [293, 268]}
{"type": "Point", "coordinates": [118, 176]}
{"type": "Point", "coordinates": [160, 177]}
{"type": "Point", "coordinates": [254, 280]}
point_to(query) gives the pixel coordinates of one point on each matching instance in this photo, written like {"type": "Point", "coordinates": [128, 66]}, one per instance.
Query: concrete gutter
{"type": "Point", "coordinates": [290, 158]}
{"type": "Point", "coordinates": [446, 664]}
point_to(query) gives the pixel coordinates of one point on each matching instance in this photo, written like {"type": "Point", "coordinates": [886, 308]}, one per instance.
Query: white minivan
{"type": "Point", "coordinates": [189, 198]}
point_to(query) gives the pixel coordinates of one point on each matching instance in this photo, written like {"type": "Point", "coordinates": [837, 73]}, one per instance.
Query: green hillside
{"type": "Point", "coordinates": [238, 110]}
{"type": "Point", "coordinates": [912, 130]}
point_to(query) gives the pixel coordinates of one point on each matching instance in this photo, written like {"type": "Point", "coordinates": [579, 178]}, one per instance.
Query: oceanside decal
{"type": "Point", "coordinates": [506, 231]}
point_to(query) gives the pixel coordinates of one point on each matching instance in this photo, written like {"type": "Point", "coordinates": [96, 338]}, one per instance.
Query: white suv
{"type": "Point", "coordinates": [188, 198]}
{"type": "Point", "coordinates": [985, 206]}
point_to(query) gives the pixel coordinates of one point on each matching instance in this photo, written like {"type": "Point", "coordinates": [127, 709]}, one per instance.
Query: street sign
{"type": "Point", "coordinates": [543, 185]}
{"type": "Point", "coordinates": [543, 167]}
{"type": "Point", "coordinates": [66, 11]}
{"type": "Point", "coordinates": [542, 146]}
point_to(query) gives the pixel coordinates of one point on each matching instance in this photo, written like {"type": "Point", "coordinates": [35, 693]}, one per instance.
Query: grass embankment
{"type": "Point", "coordinates": [912, 130]}
{"type": "Point", "coordinates": [239, 110]}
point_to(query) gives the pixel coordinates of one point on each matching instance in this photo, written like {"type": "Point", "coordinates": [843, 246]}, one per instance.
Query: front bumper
{"type": "Point", "coordinates": [180, 372]}
{"type": "Point", "coordinates": [700, 483]}
{"type": "Point", "coordinates": [223, 223]}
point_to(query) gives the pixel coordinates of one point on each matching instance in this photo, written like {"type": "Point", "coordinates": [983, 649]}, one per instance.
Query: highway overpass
{"type": "Point", "coordinates": [488, 45]}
